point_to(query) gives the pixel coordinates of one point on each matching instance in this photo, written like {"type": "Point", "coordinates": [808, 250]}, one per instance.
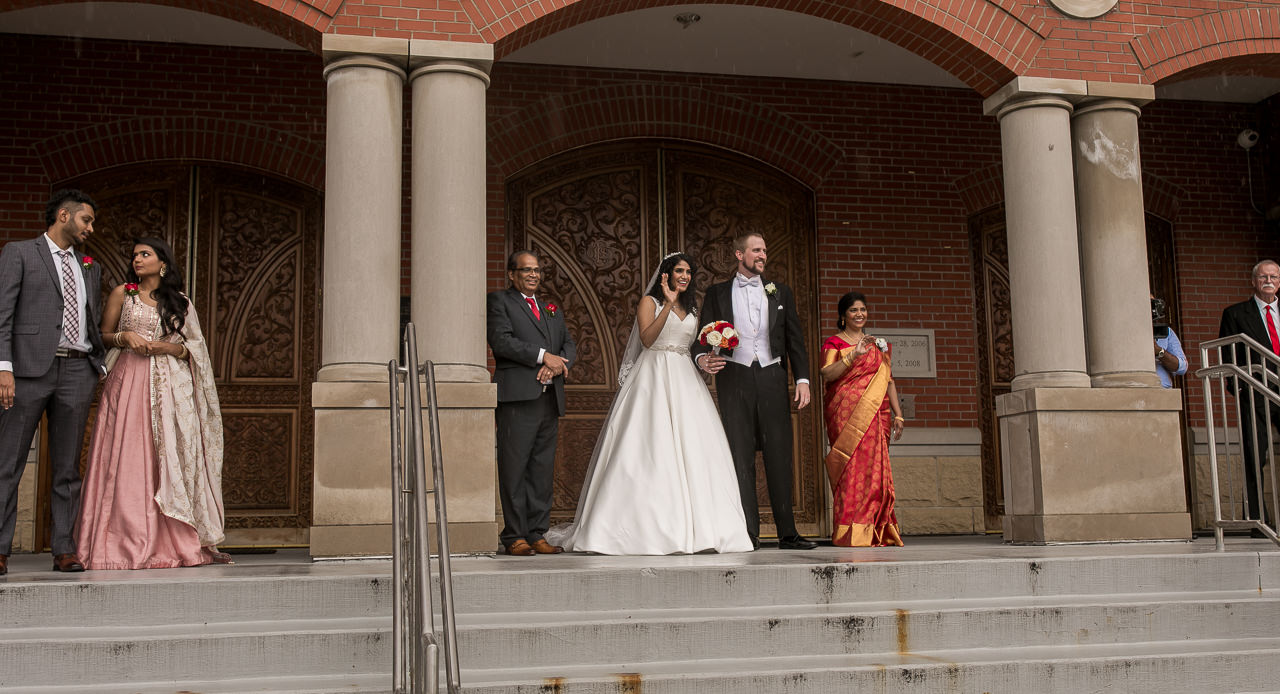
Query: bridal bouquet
{"type": "Point", "coordinates": [719, 334]}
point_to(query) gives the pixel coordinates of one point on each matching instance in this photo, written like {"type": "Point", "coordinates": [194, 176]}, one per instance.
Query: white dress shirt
{"type": "Point", "coordinates": [754, 312]}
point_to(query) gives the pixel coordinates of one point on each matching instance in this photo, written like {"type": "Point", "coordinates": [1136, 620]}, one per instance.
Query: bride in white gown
{"type": "Point", "coordinates": [661, 479]}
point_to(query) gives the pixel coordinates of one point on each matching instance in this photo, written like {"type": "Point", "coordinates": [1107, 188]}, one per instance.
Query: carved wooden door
{"type": "Point", "coordinates": [602, 218]}
{"type": "Point", "coordinates": [254, 278]}
{"type": "Point", "coordinates": [995, 353]}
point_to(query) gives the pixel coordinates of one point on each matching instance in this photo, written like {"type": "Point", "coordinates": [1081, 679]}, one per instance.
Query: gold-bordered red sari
{"type": "Point", "coordinates": [858, 420]}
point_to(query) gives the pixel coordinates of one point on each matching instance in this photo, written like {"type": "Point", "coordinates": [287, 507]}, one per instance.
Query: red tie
{"type": "Point", "coordinates": [534, 305]}
{"type": "Point", "coordinates": [1271, 330]}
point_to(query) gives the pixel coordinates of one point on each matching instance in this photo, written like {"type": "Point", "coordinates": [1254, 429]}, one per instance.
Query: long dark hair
{"type": "Point", "coordinates": [169, 299]}
{"type": "Point", "coordinates": [845, 302]}
{"type": "Point", "coordinates": [686, 298]}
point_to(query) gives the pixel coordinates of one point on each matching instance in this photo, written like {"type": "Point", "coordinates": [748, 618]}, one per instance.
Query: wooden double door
{"type": "Point", "coordinates": [601, 219]}
{"type": "Point", "coordinates": [250, 248]}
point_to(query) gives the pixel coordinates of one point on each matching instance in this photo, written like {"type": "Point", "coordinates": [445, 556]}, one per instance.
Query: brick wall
{"type": "Point", "coordinates": [71, 107]}
{"type": "Point", "coordinates": [893, 211]}
{"type": "Point", "coordinates": [892, 202]}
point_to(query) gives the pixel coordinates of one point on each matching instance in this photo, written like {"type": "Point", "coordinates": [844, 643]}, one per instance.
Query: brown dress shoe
{"type": "Point", "coordinates": [520, 548]}
{"type": "Point", "coordinates": [69, 563]}
{"type": "Point", "coordinates": [544, 547]}
{"type": "Point", "coordinates": [4, 564]}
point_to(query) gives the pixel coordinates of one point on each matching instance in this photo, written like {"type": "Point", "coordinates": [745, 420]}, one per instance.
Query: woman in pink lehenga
{"type": "Point", "coordinates": [152, 495]}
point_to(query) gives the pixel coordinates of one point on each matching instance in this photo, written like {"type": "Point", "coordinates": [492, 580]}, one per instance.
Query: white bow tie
{"type": "Point", "coordinates": [748, 281]}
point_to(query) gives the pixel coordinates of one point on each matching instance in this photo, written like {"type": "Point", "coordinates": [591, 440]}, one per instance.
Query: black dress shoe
{"type": "Point", "coordinates": [4, 564]}
{"type": "Point", "coordinates": [796, 542]}
{"type": "Point", "coordinates": [755, 543]}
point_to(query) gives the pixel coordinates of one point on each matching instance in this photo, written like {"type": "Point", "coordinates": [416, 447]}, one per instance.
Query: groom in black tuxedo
{"type": "Point", "coordinates": [532, 350]}
{"type": "Point", "coordinates": [751, 380]}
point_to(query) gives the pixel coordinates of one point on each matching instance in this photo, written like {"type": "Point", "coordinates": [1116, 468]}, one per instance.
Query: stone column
{"type": "Point", "coordinates": [1113, 243]}
{"type": "Point", "coordinates": [1080, 463]}
{"type": "Point", "coordinates": [351, 494]}
{"type": "Point", "coordinates": [361, 299]}
{"type": "Point", "coordinates": [1044, 268]}
{"type": "Point", "coordinates": [449, 273]}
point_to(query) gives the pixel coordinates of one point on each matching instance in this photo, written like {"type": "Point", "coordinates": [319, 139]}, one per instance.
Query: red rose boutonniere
{"type": "Point", "coordinates": [552, 309]}
{"type": "Point", "coordinates": [86, 262]}
{"type": "Point", "coordinates": [131, 289]}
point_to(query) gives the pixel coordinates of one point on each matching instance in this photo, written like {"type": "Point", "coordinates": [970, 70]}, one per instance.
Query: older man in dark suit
{"type": "Point", "coordinates": [1256, 317]}
{"type": "Point", "coordinates": [50, 360]}
{"type": "Point", "coordinates": [751, 382]}
{"type": "Point", "coordinates": [533, 351]}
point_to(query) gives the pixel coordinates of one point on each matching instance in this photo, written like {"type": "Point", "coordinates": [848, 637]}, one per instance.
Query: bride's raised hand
{"type": "Point", "coordinates": [669, 295]}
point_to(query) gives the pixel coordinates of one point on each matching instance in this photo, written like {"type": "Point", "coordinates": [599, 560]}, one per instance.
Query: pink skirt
{"type": "Point", "coordinates": [120, 525]}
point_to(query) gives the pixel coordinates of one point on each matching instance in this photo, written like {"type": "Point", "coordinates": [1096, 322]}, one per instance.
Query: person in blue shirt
{"type": "Point", "coordinates": [1170, 360]}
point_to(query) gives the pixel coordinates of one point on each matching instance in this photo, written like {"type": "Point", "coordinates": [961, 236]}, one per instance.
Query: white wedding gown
{"type": "Point", "coordinates": [661, 480]}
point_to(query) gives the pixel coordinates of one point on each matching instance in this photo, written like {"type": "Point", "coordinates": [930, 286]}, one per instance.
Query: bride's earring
{"type": "Point", "coordinates": [163, 269]}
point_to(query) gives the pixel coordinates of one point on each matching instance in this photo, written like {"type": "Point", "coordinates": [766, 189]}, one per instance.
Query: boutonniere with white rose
{"type": "Point", "coordinates": [882, 345]}
{"type": "Point", "coordinates": [771, 289]}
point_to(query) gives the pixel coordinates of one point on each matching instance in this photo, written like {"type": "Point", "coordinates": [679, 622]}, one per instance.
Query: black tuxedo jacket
{"type": "Point", "coordinates": [31, 307]}
{"type": "Point", "coordinates": [515, 337]}
{"type": "Point", "coordinates": [786, 338]}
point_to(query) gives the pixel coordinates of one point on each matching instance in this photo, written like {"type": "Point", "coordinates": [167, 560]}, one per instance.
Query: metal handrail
{"type": "Point", "coordinates": [1259, 375]}
{"type": "Point", "coordinates": [415, 651]}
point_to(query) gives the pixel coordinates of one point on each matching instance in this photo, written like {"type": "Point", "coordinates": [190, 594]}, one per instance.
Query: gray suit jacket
{"type": "Point", "coordinates": [31, 307]}
{"type": "Point", "coordinates": [515, 337]}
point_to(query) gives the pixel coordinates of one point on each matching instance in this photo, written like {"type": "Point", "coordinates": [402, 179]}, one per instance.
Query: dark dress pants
{"type": "Point", "coordinates": [1252, 444]}
{"type": "Point", "coordinates": [526, 465]}
{"type": "Point", "coordinates": [756, 412]}
{"type": "Point", "coordinates": [65, 392]}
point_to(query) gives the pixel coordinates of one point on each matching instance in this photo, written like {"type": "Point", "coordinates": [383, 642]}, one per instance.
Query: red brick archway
{"type": "Point", "coordinates": [298, 21]}
{"type": "Point", "coordinates": [1242, 41]}
{"type": "Point", "coordinates": [189, 138]}
{"type": "Point", "coordinates": [654, 110]}
{"type": "Point", "coordinates": [981, 43]}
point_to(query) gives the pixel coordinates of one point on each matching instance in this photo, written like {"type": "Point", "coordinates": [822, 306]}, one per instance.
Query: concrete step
{"type": "Point", "coordinates": [664, 582]}
{"type": "Point", "coordinates": [196, 599]}
{"type": "Point", "coordinates": [245, 650]}
{"type": "Point", "coordinates": [996, 619]}
{"type": "Point", "coordinates": [650, 636]}
{"type": "Point", "coordinates": [1189, 667]}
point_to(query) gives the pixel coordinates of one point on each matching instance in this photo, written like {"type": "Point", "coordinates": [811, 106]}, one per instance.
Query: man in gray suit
{"type": "Point", "coordinates": [50, 360]}
{"type": "Point", "coordinates": [533, 351]}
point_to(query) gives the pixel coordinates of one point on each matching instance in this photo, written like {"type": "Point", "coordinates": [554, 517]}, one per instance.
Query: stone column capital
{"type": "Point", "coordinates": [426, 56]}
{"type": "Point", "coordinates": [1075, 92]}
{"type": "Point", "coordinates": [362, 61]}
{"type": "Point", "coordinates": [1098, 105]}
{"type": "Point", "coordinates": [455, 66]}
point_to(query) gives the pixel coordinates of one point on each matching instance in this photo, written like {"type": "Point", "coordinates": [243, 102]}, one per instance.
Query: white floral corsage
{"type": "Point", "coordinates": [771, 289]}
{"type": "Point", "coordinates": [882, 345]}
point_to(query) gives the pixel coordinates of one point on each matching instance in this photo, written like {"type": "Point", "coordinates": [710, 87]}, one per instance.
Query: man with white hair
{"type": "Point", "coordinates": [1258, 318]}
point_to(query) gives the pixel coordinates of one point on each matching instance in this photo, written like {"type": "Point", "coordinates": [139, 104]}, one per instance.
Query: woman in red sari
{"type": "Point", "coordinates": [862, 414]}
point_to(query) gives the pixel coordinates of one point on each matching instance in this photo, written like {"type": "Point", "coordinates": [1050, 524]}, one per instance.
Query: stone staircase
{"type": "Point", "coordinates": [954, 615]}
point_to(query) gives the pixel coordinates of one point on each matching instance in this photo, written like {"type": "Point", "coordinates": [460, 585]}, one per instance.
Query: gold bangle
{"type": "Point", "coordinates": [184, 353]}
{"type": "Point", "coordinates": [115, 339]}
{"type": "Point", "coordinates": [899, 419]}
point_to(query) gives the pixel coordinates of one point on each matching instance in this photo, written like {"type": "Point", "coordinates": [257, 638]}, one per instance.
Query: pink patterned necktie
{"type": "Point", "coordinates": [70, 305]}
